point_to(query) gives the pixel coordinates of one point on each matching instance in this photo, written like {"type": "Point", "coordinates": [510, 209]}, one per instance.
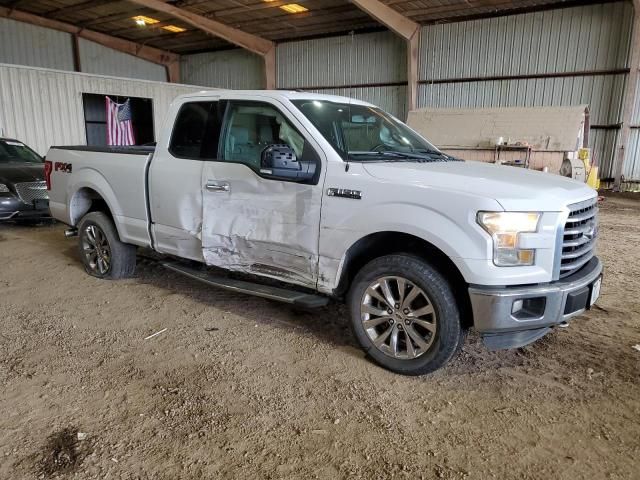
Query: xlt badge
{"type": "Point", "coordinates": [345, 193]}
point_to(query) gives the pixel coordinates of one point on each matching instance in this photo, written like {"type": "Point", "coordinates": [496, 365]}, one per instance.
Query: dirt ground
{"type": "Point", "coordinates": [239, 387]}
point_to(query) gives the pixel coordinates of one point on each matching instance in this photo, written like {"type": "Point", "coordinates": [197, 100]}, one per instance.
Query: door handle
{"type": "Point", "coordinates": [218, 186]}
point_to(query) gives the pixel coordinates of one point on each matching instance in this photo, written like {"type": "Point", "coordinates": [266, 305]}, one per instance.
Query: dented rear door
{"type": "Point", "coordinates": [254, 224]}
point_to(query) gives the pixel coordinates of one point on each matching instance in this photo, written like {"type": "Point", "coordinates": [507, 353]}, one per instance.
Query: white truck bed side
{"type": "Point", "coordinates": [116, 175]}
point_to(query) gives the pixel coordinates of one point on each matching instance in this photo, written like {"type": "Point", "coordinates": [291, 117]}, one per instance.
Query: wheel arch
{"type": "Point", "coordinates": [379, 244]}
{"type": "Point", "coordinates": [84, 200]}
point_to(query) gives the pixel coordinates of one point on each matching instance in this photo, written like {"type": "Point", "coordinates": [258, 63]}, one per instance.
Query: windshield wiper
{"type": "Point", "coordinates": [428, 151]}
{"type": "Point", "coordinates": [394, 155]}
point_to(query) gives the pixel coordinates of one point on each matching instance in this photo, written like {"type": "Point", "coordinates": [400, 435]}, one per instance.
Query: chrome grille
{"type": "Point", "coordinates": [579, 241]}
{"type": "Point", "coordinates": [30, 191]}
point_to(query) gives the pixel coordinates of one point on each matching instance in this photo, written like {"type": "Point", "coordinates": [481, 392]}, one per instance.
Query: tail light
{"type": "Point", "coordinates": [48, 167]}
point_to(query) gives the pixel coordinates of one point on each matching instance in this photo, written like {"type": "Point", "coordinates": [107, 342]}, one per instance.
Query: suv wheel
{"type": "Point", "coordinates": [103, 254]}
{"type": "Point", "coordinates": [404, 315]}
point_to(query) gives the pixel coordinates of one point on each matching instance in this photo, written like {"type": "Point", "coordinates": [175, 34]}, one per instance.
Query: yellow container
{"type": "Point", "coordinates": [584, 154]}
{"type": "Point", "coordinates": [592, 180]}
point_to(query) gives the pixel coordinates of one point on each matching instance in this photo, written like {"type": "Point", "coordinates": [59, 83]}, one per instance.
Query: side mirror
{"type": "Point", "coordinates": [281, 162]}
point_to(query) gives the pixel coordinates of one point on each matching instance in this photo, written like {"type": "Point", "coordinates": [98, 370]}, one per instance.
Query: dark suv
{"type": "Point", "coordinates": [23, 192]}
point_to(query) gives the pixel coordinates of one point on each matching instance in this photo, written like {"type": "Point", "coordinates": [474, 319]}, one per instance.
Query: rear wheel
{"type": "Point", "coordinates": [404, 315]}
{"type": "Point", "coordinates": [103, 254]}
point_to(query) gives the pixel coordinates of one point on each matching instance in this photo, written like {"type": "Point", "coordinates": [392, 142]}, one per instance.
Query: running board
{"type": "Point", "coordinates": [292, 297]}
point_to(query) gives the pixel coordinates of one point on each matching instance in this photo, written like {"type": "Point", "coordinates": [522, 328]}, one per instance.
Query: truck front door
{"type": "Point", "coordinates": [252, 222]}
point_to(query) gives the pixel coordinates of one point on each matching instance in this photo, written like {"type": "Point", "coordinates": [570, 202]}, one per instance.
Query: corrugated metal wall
{"type": "Point", "coordinates": [30, 45]}
{"type": "Point", "coordinates": [374, 65]}
{"type": "Point", "coordinates": [595, 39]}
{"type": "Point", "coordinates": [237, 69]}
{"type": "Point", "coordinates": [631, 168]}
{"type": "Point", "coordinates": [504, 61]}
{"type": "Point", "coordinates": [44, 107]}
{"type": "Point", "coordinates": [603, 93]}
{"type": "Point", "coordinates": [26, 44]}
{"type": "Point", "coordinates": [390, 99]}
{"type": "Point", "coordinates": [100, 60]}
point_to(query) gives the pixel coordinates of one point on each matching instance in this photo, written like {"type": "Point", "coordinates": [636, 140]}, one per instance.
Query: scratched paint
{"type": "Point", "coordinates": [260, 226]}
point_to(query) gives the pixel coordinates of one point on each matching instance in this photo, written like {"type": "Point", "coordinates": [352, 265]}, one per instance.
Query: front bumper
{"type": "Point", "coordinates": [12, 208]}
{"type": "Point", "coordinates": [552, 304]}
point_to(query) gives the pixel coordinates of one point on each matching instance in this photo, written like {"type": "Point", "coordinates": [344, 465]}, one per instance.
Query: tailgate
{"type": "Point", "coordinates": [56, 174]}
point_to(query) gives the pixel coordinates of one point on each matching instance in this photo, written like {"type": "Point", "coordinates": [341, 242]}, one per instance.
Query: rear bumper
{"type": "Point", "coordinates": [12, 208]}
{"type": "Point", "coordinates": [545, 306]}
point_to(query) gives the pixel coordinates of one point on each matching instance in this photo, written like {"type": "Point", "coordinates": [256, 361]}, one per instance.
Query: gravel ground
{"type": "Point", "coordinates": [239, 387]}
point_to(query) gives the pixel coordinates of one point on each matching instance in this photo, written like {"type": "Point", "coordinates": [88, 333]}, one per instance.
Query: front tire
{"type": "Point", "coordinates": [102, 252]}
{"type": "Point", "coordinates": [404, 315]}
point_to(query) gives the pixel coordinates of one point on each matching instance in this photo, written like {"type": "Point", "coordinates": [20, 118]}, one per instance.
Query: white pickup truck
{"type": "Point", "coordinates": [302, 197]}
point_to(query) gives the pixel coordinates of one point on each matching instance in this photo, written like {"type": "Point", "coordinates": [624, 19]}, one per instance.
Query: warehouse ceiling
{"type": "Point", "coordinates": [275, 20]}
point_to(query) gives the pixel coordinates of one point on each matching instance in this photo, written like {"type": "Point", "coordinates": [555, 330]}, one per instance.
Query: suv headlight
{"type": "Point", "coordinates": [4, 188]}
{"type": "Point", "coordinates": [505, 229]}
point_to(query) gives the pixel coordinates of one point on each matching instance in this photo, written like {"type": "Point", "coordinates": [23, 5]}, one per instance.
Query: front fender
{"type": "Point", "coordinates": [455, 233]}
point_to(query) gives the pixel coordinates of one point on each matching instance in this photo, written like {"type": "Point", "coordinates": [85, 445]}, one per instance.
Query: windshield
{"type": "Point", "coordinates": [12, 151]}
{"type": "Point", "coordinates": [362, 133]}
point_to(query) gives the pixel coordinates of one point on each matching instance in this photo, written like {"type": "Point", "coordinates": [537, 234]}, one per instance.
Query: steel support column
{"type": "Point", "coordinates": [630, 99]}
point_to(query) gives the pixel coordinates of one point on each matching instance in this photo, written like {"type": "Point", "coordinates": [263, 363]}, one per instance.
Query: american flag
{"type": "Point", "coordinates": [119, 125]}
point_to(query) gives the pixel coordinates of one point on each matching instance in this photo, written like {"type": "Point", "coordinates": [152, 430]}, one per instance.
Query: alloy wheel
{"type": "Point", "coordinates": [398, 317]}
{"type": "Point", "coordinates": [96, 249]}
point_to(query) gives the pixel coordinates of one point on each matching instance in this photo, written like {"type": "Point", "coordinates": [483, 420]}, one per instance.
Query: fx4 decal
{"type": "Point", "coordinates": [63, 167]}
{"type": "Point", "coordinates": [50, 167]}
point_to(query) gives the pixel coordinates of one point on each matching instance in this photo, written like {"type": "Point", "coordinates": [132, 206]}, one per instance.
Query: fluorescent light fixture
{"type": "Point", "coordinates": [143, 20]}
{"type": "Point", "coordinates": [293, 8]}
{"type": "Point", "coordinates": [174, 29]}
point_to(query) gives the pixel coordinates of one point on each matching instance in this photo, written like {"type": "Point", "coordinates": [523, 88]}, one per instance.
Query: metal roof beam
{"type": "Point", "coordinates": [261, 46]}
{"type": "Point", "coordinates": [407, 29]}
{"type": "Point", "coordinates": [151, 54]}
{"type": "Point", "coordinates": [387, 16]}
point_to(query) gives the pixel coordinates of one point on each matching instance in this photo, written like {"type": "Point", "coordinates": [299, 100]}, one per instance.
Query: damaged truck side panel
{"type": "Point", "coordinates": [263, 228]}
{"type": "Point", "coordinates": [259, 225]}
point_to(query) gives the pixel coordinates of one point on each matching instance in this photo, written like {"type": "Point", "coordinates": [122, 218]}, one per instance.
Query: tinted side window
{"type": "Point", "coordinates": [196, 131]}
{"type": "Point", "coordinates": [252, 127]}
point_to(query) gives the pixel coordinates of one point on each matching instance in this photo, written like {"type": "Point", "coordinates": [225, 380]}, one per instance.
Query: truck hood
{"type": "Point", "coordinates": [12, 173]}
{"type": "Point", "coordinates": [513, 187]}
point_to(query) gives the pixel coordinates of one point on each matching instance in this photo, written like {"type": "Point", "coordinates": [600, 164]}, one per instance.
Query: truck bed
{"type": "Point", "coordinates": [118, 175]}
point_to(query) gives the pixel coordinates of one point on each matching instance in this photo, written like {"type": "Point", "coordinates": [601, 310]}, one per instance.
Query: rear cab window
{"type": "Point", "coordinates": [196, 132]}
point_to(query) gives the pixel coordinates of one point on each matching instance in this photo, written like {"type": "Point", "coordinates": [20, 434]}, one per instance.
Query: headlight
{"type": "Point", "coordinates": [505, 229]}
{"type": "Point", "coordinates": [4, 188]}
